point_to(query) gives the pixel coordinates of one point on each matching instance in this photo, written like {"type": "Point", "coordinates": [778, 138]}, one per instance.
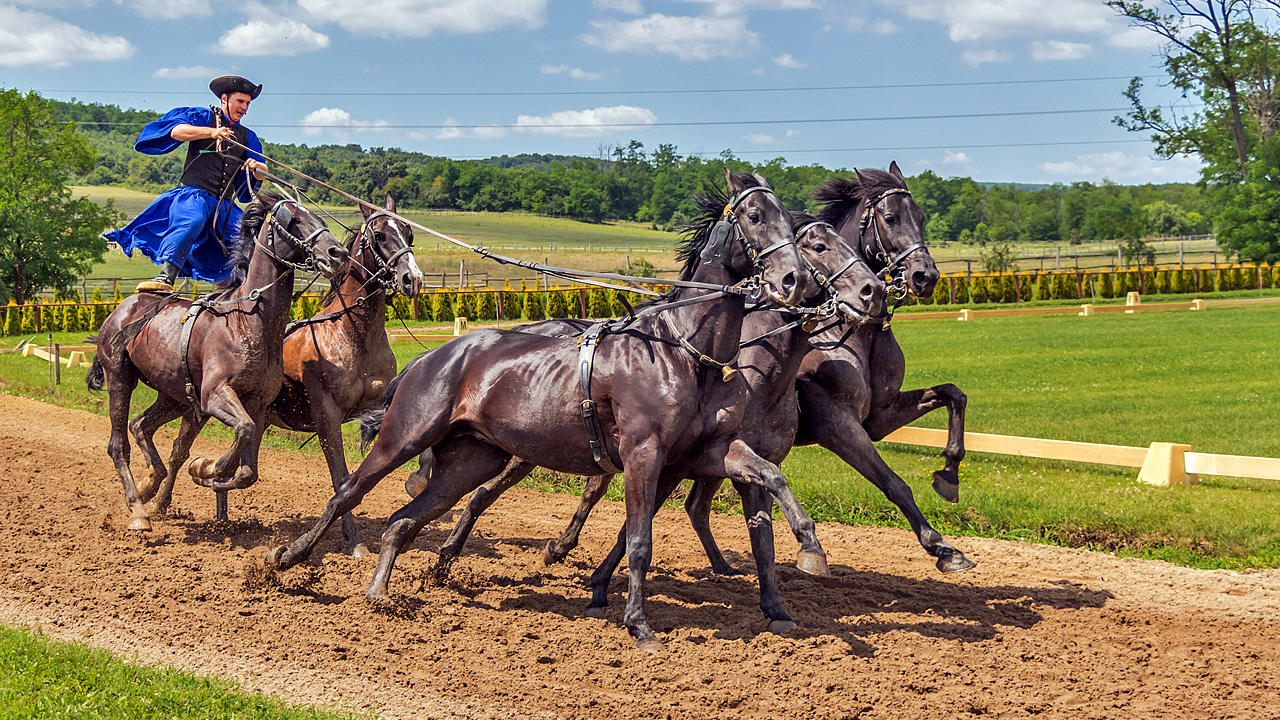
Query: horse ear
{"type": "Point", "coordinates": [391, 203]}
{"type": "Point", "coordinates": [366, 209]}
{"type": "Point", "coordinates": [894, 171]}
{"type": "Point", "coordinates": [857, 176]}
{"type": "Point", "coordinates": [763, 182]}
{"type": "Point", "coordinates": [734, 187]}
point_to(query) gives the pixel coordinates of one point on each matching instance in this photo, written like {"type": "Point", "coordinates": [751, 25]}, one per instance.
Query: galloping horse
{"type": "Point", "coordinates": [219, 355]}
{"type": "Point", "coordinates": [337, 363]}
{"type": "Point", "coordinates": [850, 382]}
{"type": "Point", "coordinates": [663, 397]}
{"type": "Point", "coordinates": [773, 347]}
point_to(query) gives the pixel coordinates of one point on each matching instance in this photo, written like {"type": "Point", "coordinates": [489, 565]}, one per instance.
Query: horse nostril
{"type": "Point", "coordinates": [789, 282]}
{"type": "Point", "coordinates": [919, 278]}
{"type": "Point", "coordinates": [338, 253]}
{"type": "Point", "coordinates": [868, 291]}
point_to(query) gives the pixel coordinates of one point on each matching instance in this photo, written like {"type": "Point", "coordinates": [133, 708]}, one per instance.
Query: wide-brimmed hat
{"type": "Point", "coordinates": [228, 84]}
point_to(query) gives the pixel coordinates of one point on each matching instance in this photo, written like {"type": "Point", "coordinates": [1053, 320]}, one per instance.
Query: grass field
{"type": "Point", "coordinates": [1206, 379]}
{"type": "Point", "coordinates": [40, 678]}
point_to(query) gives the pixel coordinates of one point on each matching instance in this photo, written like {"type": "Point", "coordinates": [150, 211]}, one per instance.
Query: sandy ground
{"type": "Point", "coordinates": [1033, 631]}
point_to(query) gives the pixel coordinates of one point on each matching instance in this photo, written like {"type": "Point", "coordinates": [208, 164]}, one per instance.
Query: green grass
{"type": "Point", "coordinates": [1206, 379]}
{"type": "Point", "coordinates": [40, 678]}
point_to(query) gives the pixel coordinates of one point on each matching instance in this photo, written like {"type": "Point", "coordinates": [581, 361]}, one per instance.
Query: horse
{"type": "Point", "coordinates": [849, 384]}
{"type": "Point", "coordinates": [337, 363]}
{"type": "Point", "coordinates": [658, 395]}
{"type": "Point", "coordinates": [219, 355]}
{"type": "Point", "coordinates": [770, 357]}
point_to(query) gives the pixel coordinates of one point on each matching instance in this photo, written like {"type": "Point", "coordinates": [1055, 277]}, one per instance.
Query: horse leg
{"type": "Point", "coordinates": [120, 387]}
{"type": "Point", "coordinates": [458, 470]}
{"type": "Point", "coordinates": [742, 464]}
{"type": "Point", "coordinates": [642, 463]}
{"type": "Point", "coordinates": [143, 429]}
{"type": "Point", "coordinates": [852, 444]}
{"type": "Point", "coordinates": [326, 418]}
{"type": "Point", "coordinates": [757, 508]}
{"type": "Point", "coordinates": [482, 499]}
{"type": "Point", "coordinates": [604, 572]}
{"type": "Point", "coordinates": [192, 423]}
{"type": "Point", "coordinates": [905, 407]}
{"type": "Point", "coordinates": [225, 405]}
{"type": "Point", "coordinates": [697, 505]}
{"type": "Point", "coordinates": [559, 548]}
{"type": "Point", "coordinates": [402, 436]}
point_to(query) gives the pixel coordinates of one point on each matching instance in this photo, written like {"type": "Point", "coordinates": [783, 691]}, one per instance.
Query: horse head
{"type": "Point", "coordinates": [766, 246]}
{"type": "Point", "coordinates": [889, 227]}
{"type": "Point", "coordinates": [297, 236]}
{"type": "Point", "coordinates": [843, 276]}
{"type": "Point", "coordinates": [386, 249]}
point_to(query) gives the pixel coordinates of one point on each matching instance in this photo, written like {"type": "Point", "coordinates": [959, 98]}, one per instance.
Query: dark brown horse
{"type": "Point", "coordinates": [662, 390]}
{"type": "Point", "coordinates": [218, 356]}
{"type": "Point", "coordinates": [773, 346]}
{"type": "Point", "coordinates": [337, 363]}
{"type": "Point", "coordinates": [850, 382]}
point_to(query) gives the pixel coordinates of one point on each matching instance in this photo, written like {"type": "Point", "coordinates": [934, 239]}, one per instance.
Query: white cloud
{"type": "Point", "coordinates": [688, 38]}
{"type": "Point", "coordinates": [785, 60]}
{"type": "Point", "coordinates": [457, 133]}
{"type": "Point", "coordinates": [575, 73]}
{"type": "Point", "coordinates": [32, 38]}
{"type": "Point", "coordinates": [975, 20]}
{"type": "Point", "coordinates": [271, 37]}
{"type": "Point", "coordinates": [736, 7]}
{"type": "Point", "coordinates": [631, 7]}
{"type": "Point", "coordinates": [169, 9]}
{"type": "Point", "coordinates": [184, 72]}
{"type": "Point", "coordinates": [1042, 50]}
{"type": "Point", "coordinates": [974, 58]}
{"type": "Point", "coordinates": [420, 18]}
{"type": "Point", "coordinates": [956, 158]}
{"type": "Point", "coordinates": [758, 138]}
{"type": "Point", "coordinates": [1124, 168]}
{"type": "Point", "coordinates": [336, 121]}
{"type": "Point", "coordinates": [587, 123]}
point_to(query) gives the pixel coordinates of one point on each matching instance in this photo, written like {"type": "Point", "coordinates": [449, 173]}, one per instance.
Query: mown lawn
{"type": "Point", "coordinates": [40, 678]}
{"type": "Point", "coordinates": [1206, 379]}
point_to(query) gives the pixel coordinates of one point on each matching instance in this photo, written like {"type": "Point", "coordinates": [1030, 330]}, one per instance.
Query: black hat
{"type": "Point", "coordinates": [228, 84]}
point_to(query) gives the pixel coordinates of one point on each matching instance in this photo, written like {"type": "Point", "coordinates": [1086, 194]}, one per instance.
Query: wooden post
{"type": "Point", "coordinates": [57, 363]}
{"type": "Point", "coordinates": [1086, 310]}
{"type": "Point", "coordinates": [582, 302]}
{"type": "Point", "coordinates": [1198, 304]}
{"type": "Point", "coordinates": [459, 326]}
{"type": "Point", "coordinates": [1133, 300]}
{"type": "Point", "coordinates": [1166, 464]}
{"type": "Point", "coordinates": [965, 314]}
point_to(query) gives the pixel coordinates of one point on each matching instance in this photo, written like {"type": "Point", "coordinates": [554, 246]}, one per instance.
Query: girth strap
{"type": "Point", "coordinates": [188, 323]}
{"type": "Point", "coordinates": [586, 358]}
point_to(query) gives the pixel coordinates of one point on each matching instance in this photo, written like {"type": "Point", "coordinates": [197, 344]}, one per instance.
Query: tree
{"type": "Point", "coordinates": [999, 257]}
{"type": "Point", "coordinates": [48, 239]}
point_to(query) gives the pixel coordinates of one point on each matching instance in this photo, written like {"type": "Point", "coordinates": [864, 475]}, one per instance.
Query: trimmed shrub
{"type": "Point", "coordinates": [511, 305]}
{"type": "Point", "coordinates": [942, 291]}
{"type": "Point", "coordinates": [100, 311]}
{"type": "Point", "coordinates": [486, 305]}
{"type": "Point", "coordinates": [962, 290]}
{"type": "Point", "coordinates": [442, 306]}
{"type": "Point", "coordinates": [1042, 286]}
{"type": "Point", "coordinates": [598, 303]}
{"type": "Point", "coordinates": [533, 306]}
{"type": "Point", "coordinates": [978, 289]}
{"type": "Point", "coordinates": [464, 305]}
{"type": "Point", "coordinates": [1275, 276]}
{"type": "Point", "coordinates": [116, 295]}
{"type": "Point", "coordinates": [1164, 284]}
{"type": "Point", "coordinates": [28, 323]}
{"type": "Point", "coordinates": [1264, 277]}
{"type": "Point", "coordinates": [1106, 285]}
{"type": "Point", "coordinates": [1026, 287]}
{"type": "Point", "coordinates": [556, 306]}
{"type": "Point", "coordinates": [12, 320]}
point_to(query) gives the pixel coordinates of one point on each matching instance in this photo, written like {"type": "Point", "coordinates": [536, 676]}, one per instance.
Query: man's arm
{"type": "Point", "coordinates": [186, 133]}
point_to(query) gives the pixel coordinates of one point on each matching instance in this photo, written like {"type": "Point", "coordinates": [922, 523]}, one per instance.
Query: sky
{"type": "Point", "coordinates": [998, 90]}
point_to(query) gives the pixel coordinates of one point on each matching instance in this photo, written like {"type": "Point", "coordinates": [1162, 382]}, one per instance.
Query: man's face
{"type": "Point", "coordinates": [236, 105]}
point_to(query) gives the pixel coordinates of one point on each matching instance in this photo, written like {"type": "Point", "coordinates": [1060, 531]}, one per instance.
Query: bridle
{"type": "Point", "coordinates": [894, 272]}
{"type": "Point", "coordinates": [727, 228]}
{"type": "Point", "coordinates": [278, 219]}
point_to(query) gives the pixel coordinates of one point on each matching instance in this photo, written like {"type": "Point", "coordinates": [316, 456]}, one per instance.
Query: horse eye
{"type": "Point", "coordinates": [819, 247]}
{"type": "Point", "coordinates": [890, 219]}
{"type": "Point", "coordinates": [753, 217]}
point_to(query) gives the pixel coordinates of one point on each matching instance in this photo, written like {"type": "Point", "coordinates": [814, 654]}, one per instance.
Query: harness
{"type": "Point", "coordinates": [278, 219]}
{"type": "Point", "coordinates": [714, 255]}
{"type": "Point", "coordinates": [894, 272]}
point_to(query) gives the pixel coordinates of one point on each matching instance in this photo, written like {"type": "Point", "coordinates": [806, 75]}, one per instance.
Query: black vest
{"type": "Point", "coordinates": [213, 171]}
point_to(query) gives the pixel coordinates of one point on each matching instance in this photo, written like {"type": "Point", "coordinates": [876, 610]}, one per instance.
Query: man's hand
{"type": "Point", "coordinates": [259, 169]}
{"type": "Point", "coordinates": [222, 133]}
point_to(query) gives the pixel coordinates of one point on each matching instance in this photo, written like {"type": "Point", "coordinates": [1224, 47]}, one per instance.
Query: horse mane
{"type": "Point", "coordinates": [711, 203]}
{"type": "Point", "coordinates": [336, 281]}
{"type": "Point", "coordinates": [840, 195]}
{"type": "Point", "coordinates": [800, 218]}
{"type": "Point", "coordinates": [255, 214]}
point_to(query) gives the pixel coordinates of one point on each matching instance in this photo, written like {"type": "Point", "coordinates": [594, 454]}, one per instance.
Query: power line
{"type": "Point", "coordinates": [692, 91]}
{"type": "Point", "coordinates": [679, 123]}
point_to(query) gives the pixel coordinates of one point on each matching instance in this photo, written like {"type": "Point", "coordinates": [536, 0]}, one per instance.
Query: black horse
{"type": "Point", "coordinates": [663, 391]}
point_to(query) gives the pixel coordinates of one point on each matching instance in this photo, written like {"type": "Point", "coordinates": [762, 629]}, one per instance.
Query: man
{"type": "Point", "coordinates": [190, 230]}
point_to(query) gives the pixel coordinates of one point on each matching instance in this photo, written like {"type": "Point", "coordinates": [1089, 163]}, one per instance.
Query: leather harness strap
{"type": "Point", "coordinates": [188, 323]}
{"type": "Point", "coordinates": [586, 358]}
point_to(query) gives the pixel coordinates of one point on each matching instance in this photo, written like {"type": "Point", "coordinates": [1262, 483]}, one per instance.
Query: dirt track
{"type": "Point", "coordinates": [1033, 630]}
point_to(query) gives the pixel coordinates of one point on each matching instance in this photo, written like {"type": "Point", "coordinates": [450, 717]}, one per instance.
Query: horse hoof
{"type": "Point", "coordinates": [947, 485]}
{"type": "Point", "coordinates": [812, 563]}
{"type": "Point", "coordinates": [955, 562]}
{"type": "Point", "coordinates": [652, 647]}
{"type": "Point", "coordinates": [275, 558]}
{"type": "Point", "coordinates": [358, 551]}
{"type": "Point", "coordinates": [201, 470]}
{"type": "Point", "coordinates": [141, 524]}
{"type": "Point", "coordinates": [727, 571]}
{"type": "Point", "coordinates": [594, 611]}
{"type": "Point", "coordinates": [414, 485]}
{"type": "Point", "coordinates": [781, 627]}
{"type": "Point", "coordinates": [550, 556]}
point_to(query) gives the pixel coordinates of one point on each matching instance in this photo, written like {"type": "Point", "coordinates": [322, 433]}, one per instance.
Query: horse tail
{"type": "Point", "coordinates": [97, 377]}
{"type": "Point", "coordinates": [371, 421]}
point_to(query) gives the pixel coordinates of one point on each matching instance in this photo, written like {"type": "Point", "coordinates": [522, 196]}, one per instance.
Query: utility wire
{"type": "Point", "coordinates": [692, 91]}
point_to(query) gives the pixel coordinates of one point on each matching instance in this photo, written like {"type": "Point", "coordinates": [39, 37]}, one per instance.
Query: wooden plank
{"type": "Point", "coordinates": [86, 349]}
{"type": "Point", "coordinates": [1121, 455]}
{"type": "Point", "coordinates": [1233, 466]}
{"type": "Point", "coordinates": [419, 337]}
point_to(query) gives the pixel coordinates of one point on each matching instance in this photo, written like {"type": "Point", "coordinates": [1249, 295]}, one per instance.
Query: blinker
{"type": "Point", "coordinates": [283, 215]}
{"type": "Point", "coordinates": [713, 255]}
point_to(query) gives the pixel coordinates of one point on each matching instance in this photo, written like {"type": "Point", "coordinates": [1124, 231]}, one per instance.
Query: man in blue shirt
{"type": "Point", "coordinates": [190, 230]}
